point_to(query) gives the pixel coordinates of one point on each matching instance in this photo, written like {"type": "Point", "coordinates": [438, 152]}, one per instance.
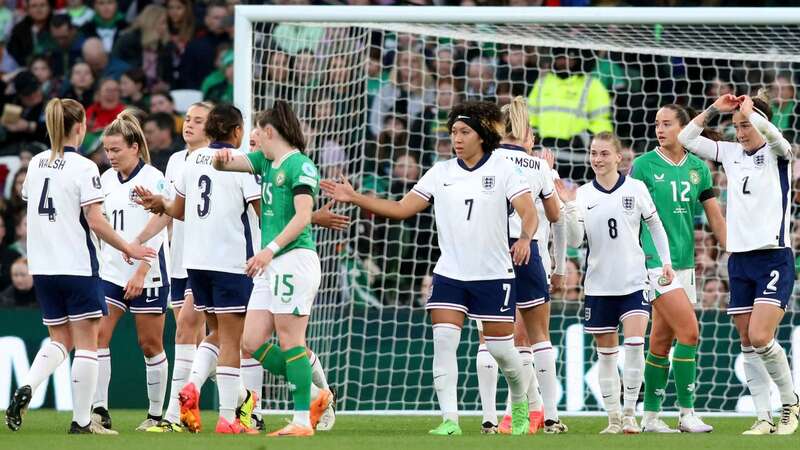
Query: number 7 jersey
{"type": "Point", "coordinates": [221, 231]}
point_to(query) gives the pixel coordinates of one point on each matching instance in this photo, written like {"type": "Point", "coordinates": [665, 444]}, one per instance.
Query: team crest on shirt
{"type": "Point", "coordinates": [758, 160]}
{"type": "Point", "coordinates": [133, 196]}
{"type": "Point", "coordinates": [628, 202]}
{"type": "Point", "coordinates": [694, 177]}
{"type": "Point", "coordinates": [280, 178]}
{"type": "Point", "coordinates": [96, 183]}
{"type": "Point", "coordinates": [488, 183]}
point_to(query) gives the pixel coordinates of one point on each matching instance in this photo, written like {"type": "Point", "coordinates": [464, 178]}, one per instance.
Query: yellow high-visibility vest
{"type": "Point", "coordinates": [565, 108]}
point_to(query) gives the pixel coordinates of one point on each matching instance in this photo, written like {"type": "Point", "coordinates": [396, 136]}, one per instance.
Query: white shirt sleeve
{"type": "Point", "coordinates": [704, 147]}
{"type": "Point", "coordinates": [89, 186]}
{"type": "Point", "coordinates": [180, 184]}
{"type": "Point", "coordinates": [548, 188]}
{"type": "Point", "coordinates": [650, 217]}
{"type": "Point", "coordinates": [560, 243]}
{"type": "Point", "coordinates": [515, 183]}
{"type": "Point", "coordinates": [777, 143]}
{"type": "Point", "coordinates": [426, 186]}
{"type": "Point", "coordinates": [574, 224]}
{"type": "Point", "coordinates": [251, 190]}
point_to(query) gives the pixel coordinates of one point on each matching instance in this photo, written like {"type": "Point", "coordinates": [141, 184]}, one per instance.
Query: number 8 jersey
{"type": "Point", "coordinates": [221, 232]}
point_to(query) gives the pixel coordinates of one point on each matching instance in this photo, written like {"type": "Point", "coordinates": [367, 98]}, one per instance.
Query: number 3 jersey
{"type": "Point", "coordinates": [220, 231]}
{"type": "Point", "coordinates": [59, 239]}
{"type": "Point", "coordinates": [471, 208]}
{"type": "Point", "coordinates": [615, 263]}
{"type": "Point", "coordinates": [128, 219]}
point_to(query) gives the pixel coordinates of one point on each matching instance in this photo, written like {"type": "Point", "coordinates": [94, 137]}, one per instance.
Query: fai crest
{"type": "Point", "coordinates": [758, 160]}
{"type": "Point", "coordinates": [628, 202]}
{"type": "Point", "coordinates": [488, 183]}
{"type": "Point", "coordinates": [694, 177]}
{"type": "Point", "coordinates": [280, 178]}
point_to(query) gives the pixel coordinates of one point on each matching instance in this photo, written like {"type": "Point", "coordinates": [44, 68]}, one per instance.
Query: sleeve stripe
{"type": "Point", "coordinates": [425, 196]}
{"type": "Point", "coordinates": [178, 191]}
{"type": "Point", "coordinates": [253, 197]}
{"type": "Point", "coordinates": [716, 158]}
{"type": "Point", "coordinates": [518, 193]}
{"type": "Point", "coordinates": [250, 163]}
{"type": "Point", "coordinates": [94, 200]}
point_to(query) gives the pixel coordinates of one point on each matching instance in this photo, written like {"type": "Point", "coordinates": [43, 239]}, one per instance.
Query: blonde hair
{"type": "Point", "coordinates": [608, 136]}
{"type": "Point", "coordinates": [60, 116]}
{"type": "Point", "coordinates": [515, 119]}
{"type": "Point", "coordinates": [127, 125]}
{"type": "Point", "coordinates": [145, 22]}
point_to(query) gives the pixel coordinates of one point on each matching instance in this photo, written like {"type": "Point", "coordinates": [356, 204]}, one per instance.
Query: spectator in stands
{"type": "Point", "coordinates": [8, 65]}
{"type": "Point", "coordinates": [20, 293]}
{"type": "Point", "coordinates": [572, 292]}
{"type": "Point", "coordinates": [7, 256]}
{"type": "Point", "coordinates": [567, 105]}
{"type": "Point", "coordinates": [67, 49]}
{"type": "Point", "coordinates": [162, 102]}
{"type": "Point", "coordinates": [132, 87]}
{"type": "Point", "coordinates": [407, 92]}
{"type": "Point", "coordinates": [294, 39]}
{"type": "Point", "coordinates": [6, 21]}
{"type": "Point", "coordinates": [715, 294]}
{"type": "Point", "coordinates": [405, 173]}
{"type": "Point", "coordinates": [103, 111]}
{"type": "Point", "coordinates": [198, 59]}
{"type": "Point", "coordinates": [50, 85]}
{"type": "Point", "coordinates": [159, 131]}
{"type": "Point", "coordinates": [32, 33]}
{"type": "Point", "coordinates": [278, 68]}
{"type": "Point", "coordinates": [180, 21]}
{"type": "Point", "coordinates": [304, 70]}
{"type": "Point", "coordinates": [448, 65]}
{"type": "Point", "coordinates": [81, 84]}
{"type": "Point", "coordinates": [107, 24]}
{"type": "Point", "coordinates": [785, 108]}
{"type": "Point", "coordinates": [628, 155]}
{"type": "Point", "coordinates": [146, 44]}
{"type": "Point", "coordinates": [20, 244]}
{"type": "Point", "coordinates": [79, 13]}
{"type": "Point", "coordinates": [480, 80]}
{"type": "Point", "coordinates": [30, 124]}
{"type": "Point", "coordinates": [103, 65]}
{"type": "Point", "coordinates": [218, 86]}
{"type": "Point", "coordinates": [15, 204]}
{"type": "Point", "coordinates": [425, 287]}
{"type": "Point", "coordinates": [517, 67]}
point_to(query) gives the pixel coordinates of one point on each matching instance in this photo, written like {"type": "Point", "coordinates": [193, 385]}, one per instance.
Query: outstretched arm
{"type": "Point", "coordinates": [690, 137]}
{"type": "Point", "coordinates": [411, 204]}
{"type": "Point", "coordinates": [225, 160]}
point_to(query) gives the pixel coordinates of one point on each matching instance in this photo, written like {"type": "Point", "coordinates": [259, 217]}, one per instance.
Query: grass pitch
{"type": "Point", "coordinates": [47, 429]}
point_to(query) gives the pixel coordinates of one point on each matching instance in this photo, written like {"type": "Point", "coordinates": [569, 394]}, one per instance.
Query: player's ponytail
{"type": "Point", "coordinates": [761, 103]}
{"type": "Point", "coordinates": [515, 119]}
{"type": "Point", "coordinates": [223, 119]}
{"type": "Point", "coordinates": [127, 126]}
{"type": "Point", "coordinates": [60, 117]}
{"type": "Point", "coordinates": [283, 119]}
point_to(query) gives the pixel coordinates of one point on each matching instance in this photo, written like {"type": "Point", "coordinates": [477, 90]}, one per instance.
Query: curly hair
{"type": "Point", "coordinates": [486, 115]}
{"type": "Point", "coordinates": [222, 121]}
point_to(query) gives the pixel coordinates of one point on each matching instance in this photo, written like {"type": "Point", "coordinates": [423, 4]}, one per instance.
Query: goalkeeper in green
{"type": "Point", "coordinates": [680, 183]}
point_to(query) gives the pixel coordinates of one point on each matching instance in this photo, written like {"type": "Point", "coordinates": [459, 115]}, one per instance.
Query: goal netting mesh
{"type": "Point", "coordinates": [373, 99]}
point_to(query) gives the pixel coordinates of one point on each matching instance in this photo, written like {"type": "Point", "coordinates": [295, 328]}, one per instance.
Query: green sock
{"type": "Point", "coordinates": [271, 358]}
{"type": "Point", "coordinates": [656, 372]}
{"type": "Point", "coordinates": [684, 364]}
{"type": "Point", "coordinates": [298, 376]}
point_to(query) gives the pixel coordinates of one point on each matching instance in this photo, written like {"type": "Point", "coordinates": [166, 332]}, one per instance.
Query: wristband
{"type": "Point", "coordinates": [274, 247]}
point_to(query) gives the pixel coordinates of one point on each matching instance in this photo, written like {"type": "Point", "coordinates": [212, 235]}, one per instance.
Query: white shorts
{"type": "Point", "coordinates": [684, 279]}
{"type": "Point", "coordinates": [289, 285]}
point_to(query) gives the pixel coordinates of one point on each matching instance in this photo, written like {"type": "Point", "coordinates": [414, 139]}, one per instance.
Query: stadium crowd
{"type": "Point", "coordinates": [151, 55]}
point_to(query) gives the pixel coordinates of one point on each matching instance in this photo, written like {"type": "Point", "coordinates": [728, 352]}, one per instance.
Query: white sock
{"type": "Point", "coordinates": [184, 356]}
{"type": "Point", "coordinates": [487, 383]}
{"type": "Point", "coordinates": [317, 374]}
{"type": "Point", "coordinates": [774, 358]}
{"type": "Point", "coordinates": [103, 378]}
{"type": "Point", "coordinates": [632, 373]}
{"type": "Point", "coordinates": [544, 361]}
{"type": "Point", "coordinates": [228, 386]}
{"type": "Point", "coordinates": [205, 361]}
{"type": "Point", "coordinates": [757, 379]}
{"type": "Point", "coordinates": [157, 369]}
{"type": "Point", "coordinates": [608, 376]}
{"type": "Point", "coordinates": [242, 391]}
{"type": "Point", "coordinates": [446, 338]}
{"type": "Point", "coordinates": [302, 418]}
{"type": "Point", "coordinates": [532, 389]}
{"type": "Point", "coordinates": [84, 383]}
{"type": "Point", "coordinates": [47, 360]}
{"type": "Point", "coordinates": [503, 350]}
{"type": "Point", "coordinates": [252, 375]}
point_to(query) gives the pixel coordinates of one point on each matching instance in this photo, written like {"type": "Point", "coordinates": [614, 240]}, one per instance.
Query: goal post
{"type": "Point", "coordinates": [372, 86]}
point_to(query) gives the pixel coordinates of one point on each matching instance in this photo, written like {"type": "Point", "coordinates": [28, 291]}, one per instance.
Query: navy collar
{"type": "Point", "coordinates": [514, 147]}
{"type": "Point", "coordinates": [133, 174]}
{"type": "Point", "coordinates": [616, 186]}
{"type": "Point", "coordinates": [217, 144]}
{"type": "Point", "coordinates": [753, 152]}
{"type": "Point", "coordinates": [477, 166]}
{"type": "Point", "coordinates": [68, 148]}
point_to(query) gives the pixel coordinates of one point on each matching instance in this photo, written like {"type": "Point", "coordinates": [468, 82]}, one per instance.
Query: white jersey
{"type": "Point", "coordinates": [615, 263]}
{"type": "Point", "coordinates": [471, 211]}
{"type": "Point", "coordinates": [537, 172]}
{"type": "Point", "coordinates": [128, 218]}
{"type": "Point", "coordinates": [59, 239]}
{"type": "Point", "coordinates": [542, 235]}
{"type": "Point", "coordinates": [758, 212]}
{"type": "Point", "coordinates": [175, 166]}
{"type": "Point", "coordinates": [221, 232]}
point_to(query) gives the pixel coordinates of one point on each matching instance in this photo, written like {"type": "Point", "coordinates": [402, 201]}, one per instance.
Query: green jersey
{"type": "Point", "coordinates": [678, 191]}
{"type": "Point", "coordinates": [280, 182]}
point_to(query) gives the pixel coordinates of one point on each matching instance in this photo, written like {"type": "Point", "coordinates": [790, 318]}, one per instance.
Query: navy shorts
{"type": "Point", "coordinates": [66, 298]}
{"type": "Point", "coordinates": [530, 283]}
{"type": "Point", "coordinates": [220, 292]}
{"type": "Point", "coordinates": [604, 313]}
{"type": "Point", "coordinates": [486, 300]}
{"type": "Point", "coordinates": [151, 300]}
{"type": "Point", "coordinates": [760, 276]}
{"type": "Point", "coordinates": [179, 289]}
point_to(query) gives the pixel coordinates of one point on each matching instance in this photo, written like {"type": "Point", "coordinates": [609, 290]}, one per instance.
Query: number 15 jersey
{"type": "Point", "coordinates": [220, 230]}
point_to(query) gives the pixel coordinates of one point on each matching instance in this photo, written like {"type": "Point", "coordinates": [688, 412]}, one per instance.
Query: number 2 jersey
{"type": "Point", "coordinates": [128, 218]}
{"type": "Point", "coordinates": [59, 239]}
{"type": "Point", "coordinates": [220, 231]}
{"type": "Point", "coordinates": [471, 209]}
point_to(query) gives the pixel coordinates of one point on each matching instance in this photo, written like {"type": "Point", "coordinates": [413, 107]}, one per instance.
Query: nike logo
{"type": "Point", "coordinates": [542, 371]}
{"type": "Point", "coordinates": [590, 207]}
{"type": "Point", "coordinates": [607, 396]}
{"type": "Point", "coordinates": [450, 432]}
{"type": "Point", "coordinates": [448, 184]}
{"type": "Point", "coordinates": [768, 292]}
{"type": "Point", "coordinates": [736, 162]}
{"type": "Point", "coordinates": [150, 300]}
{"type": "Point", "coordinates": [504, 309]}
{"type": "Point", "coordinates": [749, 381]}
{"type": "Point", "coordinates": [153, 384]}
{"type": "Point", "coordinates": [631, 388]}
{"type": "Point", "coordinates": [658, 177]}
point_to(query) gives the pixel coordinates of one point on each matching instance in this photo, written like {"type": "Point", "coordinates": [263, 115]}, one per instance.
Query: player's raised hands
{"type": "Point", "coordinates": [726, 103]}
{"type": "Point", "coordinates": [547, 155]}
{"type": "Point", "coordinates": [149, 201]}
{"type": "Point", "coordinates": [565, 193]}
{"type": "Point", "coordinates": [326, 218]}
{"type": "Point", "coordinates": [340, 190]}
{"type": "Point", "coordinates": [745, 104]}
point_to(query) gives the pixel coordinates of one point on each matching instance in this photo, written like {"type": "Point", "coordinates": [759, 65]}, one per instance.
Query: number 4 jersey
{"type": "Point", "coordinates": [221, 232]}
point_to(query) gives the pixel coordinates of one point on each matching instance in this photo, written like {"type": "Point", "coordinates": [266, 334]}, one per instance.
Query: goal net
{"type": "Point", "coordinates": [373, 96]}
